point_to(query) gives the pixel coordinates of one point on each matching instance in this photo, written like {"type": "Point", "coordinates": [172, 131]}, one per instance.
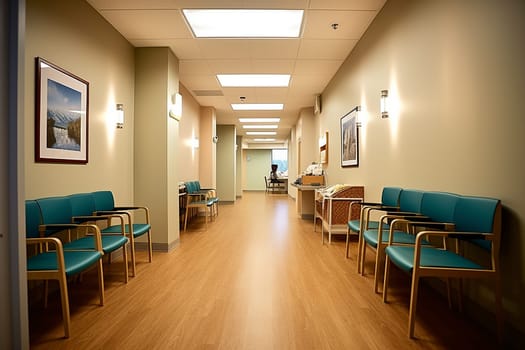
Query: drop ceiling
{"type": "Point", "coordinates": [311, 60]}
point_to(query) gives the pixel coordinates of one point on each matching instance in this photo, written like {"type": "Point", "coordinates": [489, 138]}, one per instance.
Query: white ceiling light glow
{"type": "Point", "coordinates": [244, 23]}
{"type": "Point", "coordinates": [254, 80]}
{"type": "Point", "coordinates": [261, 133]}
{"type": "Point", "coordinates": [257, 106]}
{"type": "Point", "coordinates": [259, 120]}
{"type": "Point", "coordinates": [263, 140]}
{"type": "Point", "coordinates": [259, 126]}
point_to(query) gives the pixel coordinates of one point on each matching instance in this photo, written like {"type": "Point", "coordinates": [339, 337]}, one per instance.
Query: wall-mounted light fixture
{"type": "Point", "coordinates": [195, 143]}
{"type": "Point", "coordinates": [384, 103]}
{"type": "Point", "coordinates": [119, 115]}
{"type": "Point", "coordinates": [176, 107]}
{"type": "Point", "coordinates": [358, 122]}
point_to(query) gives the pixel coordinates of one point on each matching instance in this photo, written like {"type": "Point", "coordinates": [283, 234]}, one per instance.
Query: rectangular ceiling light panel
{"type": "Point", "coordinates": [254, 80]}
{"type": "Point", "coordinates": [259, 120]}
{"type": "Point", "coordinates": [273, 126]}
{"type": "Point", "coordinates": [244, 23]}
{"type": "Point", "coordinates": [266, 133]}
{"type": "Point", "coordinates": [257, 106]}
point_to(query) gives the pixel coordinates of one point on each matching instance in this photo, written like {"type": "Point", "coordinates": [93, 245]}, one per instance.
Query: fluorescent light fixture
{"type": "Point", "coordinates": [254, 80]}
{"type": "Point", "coordinates": [257, 106]}
{"type": "Point", "coordinates": [263, 140]}
{"type": "Point", "coordinates": [244, 23]}
{"type": "Point", "coordinates": [259, 126]}
{"type": "Point", "coordinates": [259, 120]}
{"type": "Point", "coordinates": [261, 133]}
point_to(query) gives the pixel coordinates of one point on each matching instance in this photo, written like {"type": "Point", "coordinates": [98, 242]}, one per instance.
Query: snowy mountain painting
{"type": "Point", "coordinates": [63, 117]}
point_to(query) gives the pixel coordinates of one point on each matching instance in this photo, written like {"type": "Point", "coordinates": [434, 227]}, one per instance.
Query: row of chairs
{"type": "Point", "coordinates": [66, 239]}
{"type": "Point", "coordinates": [412, 230]}
{"type": "Point", "coordinates": [198, 199]}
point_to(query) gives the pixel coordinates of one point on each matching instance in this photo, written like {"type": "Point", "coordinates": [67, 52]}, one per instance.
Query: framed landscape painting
{"type": "Point", "coordinates": [349, 139]}
{"type": "Point", "coordinates": [61, 125]}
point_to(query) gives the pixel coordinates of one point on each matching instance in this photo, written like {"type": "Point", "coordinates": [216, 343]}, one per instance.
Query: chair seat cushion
{"type": "Point", "coordinates": [110, 243]}
{"type": "Point", "coordinates": [355, 225]}
{"type": "Point", "coordinates": [400, 237]}
{"type": "Point", "coordinates": [403, 257]}
{"type": "Point", "coordinates": [75, 261]}
{"type": "Point", "coordinates": [138, 229]}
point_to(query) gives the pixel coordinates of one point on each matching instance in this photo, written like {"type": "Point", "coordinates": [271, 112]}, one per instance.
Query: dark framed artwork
{"type": "Point", "coordinates": [62, 123]}
{"type": "Point", "coordinates": [349, 139]}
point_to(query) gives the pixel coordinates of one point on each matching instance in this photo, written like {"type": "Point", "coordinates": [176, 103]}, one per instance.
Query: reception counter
{"type": "Point", "coordinates": [305, 202]}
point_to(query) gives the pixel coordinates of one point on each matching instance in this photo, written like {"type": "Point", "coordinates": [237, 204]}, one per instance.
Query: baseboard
{"type": "Point", "coordinates": [158, 247]}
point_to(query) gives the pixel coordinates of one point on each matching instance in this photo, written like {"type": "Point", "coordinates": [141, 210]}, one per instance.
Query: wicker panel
{"type": "Point", "coordinates": [340, 208]}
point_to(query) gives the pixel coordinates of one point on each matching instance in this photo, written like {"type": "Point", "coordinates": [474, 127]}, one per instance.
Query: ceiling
{"type": "Point", "coordinates": [312, 59]}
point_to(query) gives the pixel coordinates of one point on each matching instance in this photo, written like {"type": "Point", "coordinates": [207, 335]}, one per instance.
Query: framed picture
{"type": "Point", "coordinates": [323, 148]}
{"type": "Point", "coordinates": [61, 125]}
{"type": "Point", "coordinates": [349, 139]}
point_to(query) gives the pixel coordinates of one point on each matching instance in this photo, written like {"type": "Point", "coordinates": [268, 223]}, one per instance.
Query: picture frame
{"type": "Point", "coordinates": [61, 115]}
{"type": "Point", "coordinates": [349, 139]}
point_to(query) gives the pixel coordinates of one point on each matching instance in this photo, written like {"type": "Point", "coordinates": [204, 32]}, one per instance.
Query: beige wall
{"type": "Point", "coordinates": [226, 163]}
{"type": "Point", "coordinates": [72, 35]}
{"type": "Point", "coordinates": [207, 149]}
{"type": "Point", "coordinates": [189, 129]}
{"type": "Point", "coordinates": [156, 176]}
{"type": "Point", "coordinates": [455, 74]}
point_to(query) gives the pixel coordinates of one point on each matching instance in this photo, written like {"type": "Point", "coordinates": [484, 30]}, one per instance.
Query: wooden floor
{"type": "Point", "coordinates": [258, 278]}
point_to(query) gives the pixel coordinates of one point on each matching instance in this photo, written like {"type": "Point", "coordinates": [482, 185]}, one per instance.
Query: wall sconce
{"type": "Point", "coordinates": [358, 122]}
{"type": "Point", "coordinates": [119, 115]}
{"type": "Point", "coordinates": [384, 103]}
{"type": "Point", "coordinates": [176, 107]}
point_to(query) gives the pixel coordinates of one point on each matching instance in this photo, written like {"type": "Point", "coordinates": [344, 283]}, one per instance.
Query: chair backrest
{"type": "Point", "coordinates": [82, 204]}
{"type": "Point", "coordinates": [104, 200]}
{"type": "Point", "coordinates": [439, 206]}
{"type": "Point", "coordinates": [190, 187]}
{"type": "Point", "coordinates": [410, 201]}
{"type": "Point", "coordinates": [390, 196]}
{"type": "Point", "coordinates": [33, 219]}
{"type": "Point", "coordinates": [478, 214]}
{"type": "Point", "coordinates": [55, 210]}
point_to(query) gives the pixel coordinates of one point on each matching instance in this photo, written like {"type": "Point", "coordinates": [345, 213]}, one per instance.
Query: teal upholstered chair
{"type": "Point", "coordinates": [105, 205]}
{"type": "Point", "coordinates": [82, 209]}
{"type": "Point", "coordinates": [476, 221]}
{"type": "Point", "coordinates": [48, 260]}
{"type": "Point", "coordinates": [389, 202]}
{"type": "Point", "coordinates": [196, 199]}
{"type": "Point", "coordinates": [410, 204]}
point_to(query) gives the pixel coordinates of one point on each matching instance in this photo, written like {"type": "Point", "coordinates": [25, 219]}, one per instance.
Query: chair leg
{"type": "Point", "coordinates": [413, 302]}
{"type": "Point", "coordinates": [363, 256]}
{"type": "Point", "coordinates": [125, 262]}
{"type": "Point", "coordinates": [150, 247]}
{"type": "Point", "coordinates": [100, 281]}
{"type": "Point", "coordinates": [132, 245]}
{"type": "Point", "coordinates": [64, 299]}
{"type": "Point", "coordinates": [347, 243]}
{"type": "Point", "coordinates": [186, 218]}
{"type": "Point", "coordinates": [386, 278]}
{"type": "Point", "coordinates": [379, 259]}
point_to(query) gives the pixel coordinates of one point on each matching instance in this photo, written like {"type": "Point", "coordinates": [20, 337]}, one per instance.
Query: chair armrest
{"type": "Point", "coordinates": [489, 236]}
{"type": "Point", "coordinates": [60, 227]}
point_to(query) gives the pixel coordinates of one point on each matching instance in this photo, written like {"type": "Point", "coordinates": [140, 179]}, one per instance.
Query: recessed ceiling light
{"type": "Point", "coordinates": [244, 23]}
{"type": "Point", "coordinates": [263, 140]}
{"type": "Point", "coordinates": [259, 126]}
{"type": "Point", "coordinates": [257, 106]}
{"type": "Point", "coordinates": [254, 80]}
{"type": "Point", "coordinates": [261, 133]}
{"type": "Point", "coordinates": [259, 120]}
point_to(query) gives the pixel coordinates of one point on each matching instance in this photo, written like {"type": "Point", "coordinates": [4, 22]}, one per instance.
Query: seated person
{"type": "Point", "coordinates": [274, 176]}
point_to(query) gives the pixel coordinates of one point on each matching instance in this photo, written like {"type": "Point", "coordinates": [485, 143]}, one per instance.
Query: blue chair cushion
{"type": "Point", "coordinates": [138, 229]}
{"type": "Point", "coordinates": [390, 196]}
{"type": "Point", "coordinates": [33, 219]}
{"type": "Point", "coordinates": [104, 200]}
{"type": "Point", "coordinates": [82, 204]}
{"type": "Point", "coordinates": [110, 243]}
{"type": "Point", "coordinates": [75, 261]}
{"type": "Point", "coordinates": [403, 257]}
{"type": "Point", "coordinates": [354, 225]}
{"type": "Point", "coordinates": [400, 237]}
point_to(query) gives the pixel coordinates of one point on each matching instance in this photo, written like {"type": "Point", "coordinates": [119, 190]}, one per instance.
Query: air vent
{"type": "Point", "coordinates": [208, 93]}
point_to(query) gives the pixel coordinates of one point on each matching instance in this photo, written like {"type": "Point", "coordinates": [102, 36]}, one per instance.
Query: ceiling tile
{"type": "Point", "coordinates": [326, 49]}
{"type": "Point", "coordinates": [350, 24]}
